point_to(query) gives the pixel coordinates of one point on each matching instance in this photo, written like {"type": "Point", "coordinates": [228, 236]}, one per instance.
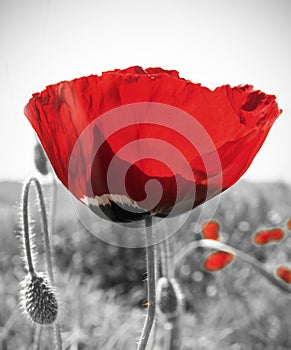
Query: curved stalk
{"type": "Point", "coordinates": [47, 247]}
{"type": "Point", "coordinates": [209, 243]}
{"type": "Point", "coordinates": [26, 234]}
{"type": "Point", "coordinates": [45, 230]}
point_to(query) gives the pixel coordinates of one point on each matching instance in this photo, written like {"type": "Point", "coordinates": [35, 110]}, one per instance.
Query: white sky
{"type": "Point", "coordinates": [212, 42]}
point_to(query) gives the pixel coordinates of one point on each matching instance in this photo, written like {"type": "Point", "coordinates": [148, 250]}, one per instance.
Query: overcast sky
{"type": "Point", "coordinates": [211, 42]}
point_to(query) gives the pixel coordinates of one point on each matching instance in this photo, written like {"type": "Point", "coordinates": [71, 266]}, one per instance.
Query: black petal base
{"type": "Point", "coordinates": [119, 212]}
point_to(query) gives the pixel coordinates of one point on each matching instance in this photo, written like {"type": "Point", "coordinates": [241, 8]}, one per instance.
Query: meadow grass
{"type": "Point", "coordinates": [101, 288]}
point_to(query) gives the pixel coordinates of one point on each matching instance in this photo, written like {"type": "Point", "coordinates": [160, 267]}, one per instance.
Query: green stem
{"type": "Point", "coordinates": [151, 286]}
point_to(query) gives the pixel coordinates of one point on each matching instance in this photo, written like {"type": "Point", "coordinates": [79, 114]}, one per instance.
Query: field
{"type": "Point", "coordinates": [101, 287]}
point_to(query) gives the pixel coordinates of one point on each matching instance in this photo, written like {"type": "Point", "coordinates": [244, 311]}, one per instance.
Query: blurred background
{"type": "Point", "coordinates": [102, 286]}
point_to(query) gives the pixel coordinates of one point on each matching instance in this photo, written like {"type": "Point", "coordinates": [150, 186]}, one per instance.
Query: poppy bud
{"type": "Point", "coordinates": [40, 160]}
{"type": "Point", "coordinates": [169, 296]}
{"type": "Point", "coordinates": [37, 299]}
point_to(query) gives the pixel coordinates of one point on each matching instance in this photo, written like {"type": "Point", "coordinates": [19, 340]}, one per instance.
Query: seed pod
{"type": "Point", "coordinates": [169, 296]}
{"type": "Point", "coordinates": [37, 299]}
{"type": "Point", "coordinates": [40, 160]}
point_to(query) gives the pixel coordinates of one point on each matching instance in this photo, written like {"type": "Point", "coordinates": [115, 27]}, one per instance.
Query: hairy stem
{"type": "Point", "coordinates": [36, 337]}
{"type": "Point", "coordinates": [166, 257]}
{"type": "Point", "coordinates": [172, 334]}
{"type": "Point", "coordinates": [151, 286]}
{"type": "Point", "coordinates": [26, 234]}
{"type": "Point", "coordinates": [48, 255]}
{"type": "Point", "coordinates": [57, 330]}
{"type": "Point", "coordinates": [172, 326]}
{"type": "Point", "coordinates": [47, 247]}
{"type": "Point", "coordinates": [53, 206]}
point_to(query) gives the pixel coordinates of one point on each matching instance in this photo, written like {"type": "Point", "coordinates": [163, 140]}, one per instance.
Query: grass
{"type": "Point", "coordinates": [101, 287]}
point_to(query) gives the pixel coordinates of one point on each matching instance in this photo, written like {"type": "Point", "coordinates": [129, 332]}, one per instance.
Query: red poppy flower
{"type": "Point", "coordinates": [132, 143]}
{"type": "Point", "coordinates": [289, 224]}
{"type": "Point", "coordinates": [210, 230]}
{"type": "Point", "coordinates": [284, 273]}
{"type": "Point", "coordinates": [268, 236]}
{"type": "Point", "coordinates": [218, 260]}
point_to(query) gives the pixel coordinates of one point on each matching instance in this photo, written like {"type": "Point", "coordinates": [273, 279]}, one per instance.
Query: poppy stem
{"type": "Point", "coordinates": [151, 285]}
{"type": "Point", "coordinates": [26, 233]}
{"type": "Point", "coordinates": [52, 215]}
{"type": "Point", "coordinates": [48, 255]}
{"type": "Point", "coordinates": [172, 325]}
{"type": "Point", "coordinates": [45, 230]}
{"type": "Point", "coordinates": [47, 247]}
{"type": "Point", "coordinates": [36, 337]}
{"type": "Point", "coordinates": [53, 201]}
{"type": "Point", "coordinates": [166, 257]}
{"type": "Point", "coordinates": [209, 243]}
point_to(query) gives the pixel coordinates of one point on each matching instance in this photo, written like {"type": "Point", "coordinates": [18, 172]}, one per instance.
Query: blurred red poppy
{"type": "Point", "coordinates": [268, 236]}
{"type": "Point", "coordinates": [210, 230]}
{"type": "Point", "coordinates": [236, 120]}
{"type": "Point", "coordinates": [284, 273]}
{"type": "Point", "coordinates": [218, 260]}
{"type": "Point", "coordinates": [289, 224]}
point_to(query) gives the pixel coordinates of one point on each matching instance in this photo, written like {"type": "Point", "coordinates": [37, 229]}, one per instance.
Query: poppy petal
{"type": "Point", "coordinates": [268, 236]}
{"type": "Point", "coordinates": [159, 103]}
{"type": "Point", "coordinates": [289, 224]}
{"type": "Point", "coordinates": [218, 260]}
{"type": "Point", "coordinates": [284, 273]}
{"type": "Point", "coordinates": [210, 230]}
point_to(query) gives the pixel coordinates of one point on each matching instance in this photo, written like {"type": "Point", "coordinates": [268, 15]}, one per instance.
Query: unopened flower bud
{"type": "Point", "coordinates": [169, 296]}
{"type": "Point", "coordinates": [40, 160]}
{"type": "Point", "coordinates": [37, 299]}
